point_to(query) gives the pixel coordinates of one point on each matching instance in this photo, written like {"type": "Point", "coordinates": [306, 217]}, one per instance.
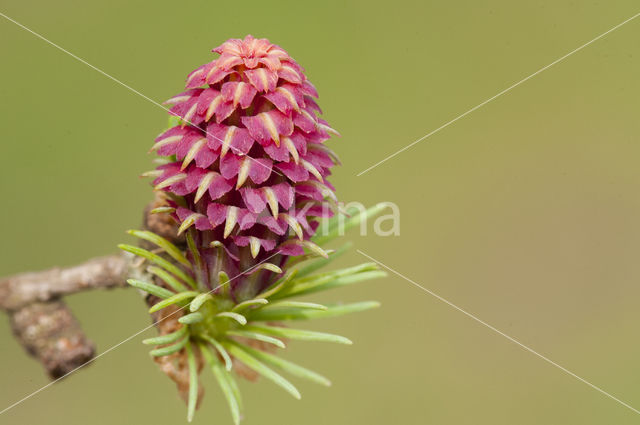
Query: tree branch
{"type": "Point", "coordinates": [44, 325]}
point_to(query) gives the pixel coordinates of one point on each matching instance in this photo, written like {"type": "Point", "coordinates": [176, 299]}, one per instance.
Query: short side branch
{"type": "Point", "coordinates": [104, 272]}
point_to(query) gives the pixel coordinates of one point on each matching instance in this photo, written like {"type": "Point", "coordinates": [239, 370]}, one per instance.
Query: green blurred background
{"type": "Point", "coordinates": [525, 213]}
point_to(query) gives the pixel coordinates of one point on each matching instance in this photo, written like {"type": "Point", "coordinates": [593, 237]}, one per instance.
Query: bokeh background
{"type": "Point", "coordinates": [525, 213]}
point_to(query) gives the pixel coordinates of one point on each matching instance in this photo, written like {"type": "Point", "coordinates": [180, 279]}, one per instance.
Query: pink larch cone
{"type": "Point", "coordinates": [249, 158]}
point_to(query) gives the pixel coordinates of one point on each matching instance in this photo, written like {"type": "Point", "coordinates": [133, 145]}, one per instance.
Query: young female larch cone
{"type": "Point", "coordinates": [250, 160]}
{"type": "Point", "coordinates": [244, 176]}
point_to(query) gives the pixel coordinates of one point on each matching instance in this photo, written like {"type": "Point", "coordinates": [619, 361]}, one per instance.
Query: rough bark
{"type": "Point", "coordinates": [41, 321]}
{"type": "Point", "coordinates": [50, 333]}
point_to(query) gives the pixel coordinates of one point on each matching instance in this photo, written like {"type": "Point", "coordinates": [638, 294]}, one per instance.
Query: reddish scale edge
{"type": "Point", "coordinates": [250, 161]}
